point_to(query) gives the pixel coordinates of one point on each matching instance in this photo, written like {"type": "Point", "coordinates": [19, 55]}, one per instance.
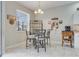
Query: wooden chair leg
{"type": "Point", "coordinates": [62, 43]}
{"type": "Point", "coordinates": [47, 41]}
{"type": "Point", "coordinates": [71, 44]}
{"type": "Point", "coordinates": [26, 43]}
{"type": "Point", "coordinates": [45, 47]}
{"type": "Point", "coordinates": [38, 48]}
{"type": "Point", "coordinates": [34, 42]}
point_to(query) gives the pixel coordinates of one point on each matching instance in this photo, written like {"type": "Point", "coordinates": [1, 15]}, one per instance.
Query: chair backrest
{"type": "Point", "coordinates": [41, 33]}
{"type": "Point", "coordinates": [48, 32]}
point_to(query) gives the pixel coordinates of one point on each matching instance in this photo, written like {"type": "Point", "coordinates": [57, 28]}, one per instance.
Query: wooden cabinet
{"type": "Point", "coordinates": [67, 36]}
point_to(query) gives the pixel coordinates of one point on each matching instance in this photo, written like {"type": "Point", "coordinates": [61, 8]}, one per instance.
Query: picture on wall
{"type": "Point", "coordinates": [54, 23]}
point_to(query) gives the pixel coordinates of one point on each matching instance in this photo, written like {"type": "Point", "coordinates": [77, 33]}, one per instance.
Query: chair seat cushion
{"type": "Point", "coordinates": [31, 36]}
{"type": "Point", "coordinates": [41, 38]}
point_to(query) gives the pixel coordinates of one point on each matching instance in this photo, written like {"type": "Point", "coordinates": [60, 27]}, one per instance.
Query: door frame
{"type": "Point", "coordinates": [1, 26]}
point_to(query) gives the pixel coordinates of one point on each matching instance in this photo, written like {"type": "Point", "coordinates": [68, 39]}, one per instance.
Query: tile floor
{"type": "Point", "coordinates": [56, 51]}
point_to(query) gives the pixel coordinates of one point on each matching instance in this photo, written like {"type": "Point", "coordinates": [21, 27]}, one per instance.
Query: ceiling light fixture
{"type": "Point", "coordinates": [39, 10]}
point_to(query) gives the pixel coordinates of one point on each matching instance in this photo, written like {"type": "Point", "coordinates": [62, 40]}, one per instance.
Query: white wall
{"type": "Point", "coordinates": [64, 13]}
{"type": "Point", "coordinates": [13, 36]}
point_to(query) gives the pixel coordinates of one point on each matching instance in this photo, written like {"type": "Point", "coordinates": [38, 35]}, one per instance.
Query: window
{"type": "Point", "coordinates": [22, 20]}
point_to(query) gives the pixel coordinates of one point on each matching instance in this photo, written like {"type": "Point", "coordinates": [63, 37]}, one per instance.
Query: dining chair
{"type": "Point", "coordinates": [47, 36]}
{"type": "Point", "coordinates": [40, 40]}
{"type": "Point", "coordinates": [67, 36]}
{"type": "Point", "coordinates": [29, 37]}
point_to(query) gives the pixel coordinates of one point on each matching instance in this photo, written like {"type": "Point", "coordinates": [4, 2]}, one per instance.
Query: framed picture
{"type": "Point", "coordinates": [54, 23]}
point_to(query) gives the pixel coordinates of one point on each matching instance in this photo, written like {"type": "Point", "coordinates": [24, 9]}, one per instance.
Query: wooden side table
{"type": "Point", "coordinates": [67, 36]}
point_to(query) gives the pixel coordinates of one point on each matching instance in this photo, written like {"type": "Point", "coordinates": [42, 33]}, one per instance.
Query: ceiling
{"type": "Point", "coordinates": [32, 5]}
